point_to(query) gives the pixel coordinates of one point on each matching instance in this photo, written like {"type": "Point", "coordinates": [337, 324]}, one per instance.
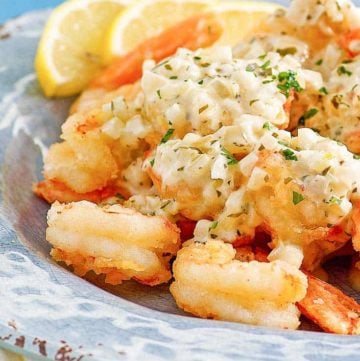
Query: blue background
{"type": "Point", "coordinates": [11, 8]}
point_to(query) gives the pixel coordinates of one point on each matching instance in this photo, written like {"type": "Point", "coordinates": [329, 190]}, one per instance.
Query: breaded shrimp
{"type": "Point", "coordinates": [211, 283]}
{"type": "Point", "coordinates": [112, 240]}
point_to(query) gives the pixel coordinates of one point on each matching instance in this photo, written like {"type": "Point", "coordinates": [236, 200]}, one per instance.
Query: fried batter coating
{"type": "Point", "coordinates": [211, 283]}
{"type": "Point", "coordinates": [112, 240]}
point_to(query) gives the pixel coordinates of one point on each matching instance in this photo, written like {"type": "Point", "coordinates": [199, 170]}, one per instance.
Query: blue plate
{"type": "Point", "coordinates": [47, 312]}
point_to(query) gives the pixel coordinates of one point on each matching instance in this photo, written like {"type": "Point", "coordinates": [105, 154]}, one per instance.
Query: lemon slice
{"type": "Point", "coordinates": [72, 44]}
{"type": "Point", "coordinates": [145, 19]}
{"type": "Point", "coordinates": [241, 18]}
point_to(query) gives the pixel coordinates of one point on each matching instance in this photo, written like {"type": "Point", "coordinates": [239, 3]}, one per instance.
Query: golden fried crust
{"type": "Point", "coordinates": [211, 283]}
{"type": "Point", "coordinates": [112, 240]}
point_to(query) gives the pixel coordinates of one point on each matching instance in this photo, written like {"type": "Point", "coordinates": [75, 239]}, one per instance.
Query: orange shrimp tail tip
{"type": "Point", "coordinates": [350, 42]}
{"type": "Point", "coordinates": [329, 308]}
{"type": "Point", "coordinates": [196, 32]}
{"type": "Point", "coordinates": [52, 191]}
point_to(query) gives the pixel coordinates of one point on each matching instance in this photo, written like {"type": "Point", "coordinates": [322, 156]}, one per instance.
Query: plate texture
{"type": "Point", "coordinates": [48, 313]}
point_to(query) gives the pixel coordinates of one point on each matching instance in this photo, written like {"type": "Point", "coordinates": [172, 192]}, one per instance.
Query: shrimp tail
{"type": "Point", "coordinates": [193, 33]}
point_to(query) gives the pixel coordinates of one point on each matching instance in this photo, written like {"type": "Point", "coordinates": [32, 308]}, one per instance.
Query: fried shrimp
{"type": "Point", "coordinates": [230, 161]}
{"type": "Point", "coordinates": [112, 240]}
{"type": "Point", "coordinates": [193, 33]}
{"type": "Point", "coordinates": [211, 283]}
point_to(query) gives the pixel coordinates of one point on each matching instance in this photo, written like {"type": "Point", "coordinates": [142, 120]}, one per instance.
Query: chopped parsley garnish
{"type": "Point", "coordinates": [319, 62]}
{"type": "Point", "coordinates": [307, 115]}
{"type": "Point", "coordinates": [267, 125]}
{"type": "Point", "coordinates": [288, 82]}
{"type": "Point", "coordinates": [297, 198]}
{"type": "Point", "coordinates": [265, 65]}
{"type": "Point", "coordinates": [289, 154]}
{"type": "Point", "coordinates": [343, 71]}
{"type": "Point", "coordinates": [201, 82]}
{"type": "Point", "coordinates": [197, 58]}
{"type": "Point", "coordinates": [205, 65]}
{"type": "Point", "coordinates": [253, 101]}
{"type": "Point", "coordinates": [231, 160]}
{"type": "Point", "coordinates": [173, 77]}
{"type": "Point", "coordinates": [323, 90]}
{"type": "Point", "coordinates": [213, 225]}
{"type": "Point", "coordinates": [158, 93]}
{"type": "Point", "coordinates": [251, 67]}
{"type": "Point", "coordinates": [356, 156]}
{"type": "Point", "coordinates": [152, 162]}
{"type": "Point", "coordinates": [167, 135]}
{"type": "Point", "coordinates": [287, 180]}
{"type": "Point", "coordinates": [203, 108]}
{"type": "Point", "coordinates": [287, 51]}
{"type": "Point", "coordinates": [168, 67]}
{"type": "Point", "coordinates": [334, 200]}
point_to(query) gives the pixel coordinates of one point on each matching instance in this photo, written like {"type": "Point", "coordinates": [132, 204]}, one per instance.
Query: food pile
{"type": "Point", "coordinates": [222, 158]}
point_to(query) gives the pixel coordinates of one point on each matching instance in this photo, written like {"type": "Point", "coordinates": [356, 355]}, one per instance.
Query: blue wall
{"type": "Point", "coordinates": [11, 8]}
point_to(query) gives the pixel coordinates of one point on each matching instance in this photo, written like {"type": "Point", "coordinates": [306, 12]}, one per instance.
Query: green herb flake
{"type": "Point", "coordinates": [289, 154]}
{"type": "Point", "coordinates": [205, 65]}
{"type": "Point", "coordinates": [158, 93]}
{"type": "Point", "coordinates": [197, 58]}
{"type": "Point", "coordinates": [265, 65]}
{"type": "Point", "coordinates": [297, 198]}
{"type": "Point", "coordinates": [356, 156]}
{"type": "Point", "coordinates": [168, 67]}
{"type": "Point", "coordinates": [267, 125]}
{"type": "Point", "coordinates": [287, 51]}
{"type": "Point", "coordinates": [307, 115]}
{"type": "Point", "coordinates": [343, 71]}
{"type": "Point", "coordinates": [334, 200]}
{"type": "Point", "coordinates": [152, 162]}
{"type": "Point", "coordinates": [231, 160]}
{"type": "Point", "coordinates": [174, 77]}
{"type": "Point", "coordinates": [287, 180]}
{"type": "Point", "coordinates": [323, 90]}
{"type": "Point", "coordinates": [251, 67]}
{"type": "Point", "coordinates": [203, 108]}
{"type": "Point", "coordinates": [213, 225]}
{"type": "Point", "coordinates": [253, 101]}
{"type": "Point", "coordinates": [167, 135]}
{"type": "Point", "coordinates": [287, 82]}
{"type": "Point", "coordinates": [319, 62]}
{"type": "Point", "coordinates": [201, 82]}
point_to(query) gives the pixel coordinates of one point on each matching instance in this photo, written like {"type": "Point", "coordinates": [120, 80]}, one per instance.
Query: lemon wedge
{"type": "Point", "coordinates": [146, 19]}
{"type": "Point", "coordinates": [241, 18]}
{"type": "Point", "coordinates": [72, 45]}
